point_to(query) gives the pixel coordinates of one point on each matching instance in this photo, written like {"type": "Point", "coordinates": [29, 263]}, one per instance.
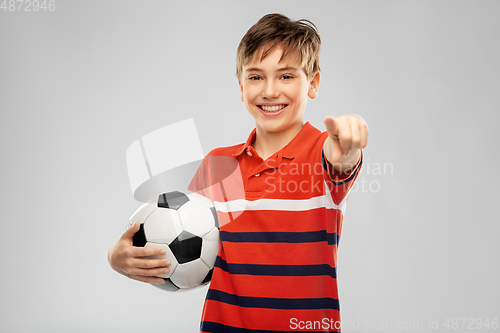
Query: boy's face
{"type": "Point", "coordinates": [275, 93]}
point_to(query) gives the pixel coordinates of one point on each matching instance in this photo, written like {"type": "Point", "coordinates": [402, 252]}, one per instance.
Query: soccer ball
{"type": "Point", "coordinates": [186, 227]}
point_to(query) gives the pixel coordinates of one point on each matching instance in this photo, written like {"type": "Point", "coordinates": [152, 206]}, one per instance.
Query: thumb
{"type": "Point", "coordinates": [332, 127]}
{"type": "Point", "coordinates": [130, 232]}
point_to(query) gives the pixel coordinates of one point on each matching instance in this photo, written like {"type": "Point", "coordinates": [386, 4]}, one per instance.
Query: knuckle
{"type": "Point", "coordinates": [126, 252]}
{"type": "Point", "coordinates": [127, 263]}
{"type": "Point", "coordinates": [344, 137]}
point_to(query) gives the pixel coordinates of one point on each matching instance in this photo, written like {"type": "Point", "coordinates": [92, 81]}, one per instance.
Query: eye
{"type": "Point", "coordinates": [254, 78]}
{"type": "Point", "coordinates": [287, 77]}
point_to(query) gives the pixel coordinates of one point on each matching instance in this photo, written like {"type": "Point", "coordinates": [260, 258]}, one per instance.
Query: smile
{"type": "Point", "coordinates": [273, 108]}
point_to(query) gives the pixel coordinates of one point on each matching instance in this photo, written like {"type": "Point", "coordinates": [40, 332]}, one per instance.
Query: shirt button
{"type": "Point", "coordinates": [249, 153]}
{"type": "Point", "coordinates": [257, 175]}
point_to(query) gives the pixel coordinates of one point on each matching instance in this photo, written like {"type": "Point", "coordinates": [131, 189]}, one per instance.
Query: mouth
{"type": "Point", "coordinates": [272, 108]}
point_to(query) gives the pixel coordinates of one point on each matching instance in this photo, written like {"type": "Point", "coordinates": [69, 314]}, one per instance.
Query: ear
{"type": "Point", "coordinates": [241, 90]}
{"type": "Point", "coordinates": [314, 86]}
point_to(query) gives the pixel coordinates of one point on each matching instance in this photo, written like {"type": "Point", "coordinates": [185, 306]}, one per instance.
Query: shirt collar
{"type": "Point", "coordinates": [248, 143]}
{"type": "Point", "coordinates": [292, 148]}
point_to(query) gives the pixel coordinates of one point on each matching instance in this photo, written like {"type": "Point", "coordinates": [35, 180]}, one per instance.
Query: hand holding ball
{"type": "Point", "coordinates": [186, 227]}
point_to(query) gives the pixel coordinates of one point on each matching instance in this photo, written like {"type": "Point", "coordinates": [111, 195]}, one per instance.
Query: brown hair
{"type": "Point", "coordinates": [300, 37]}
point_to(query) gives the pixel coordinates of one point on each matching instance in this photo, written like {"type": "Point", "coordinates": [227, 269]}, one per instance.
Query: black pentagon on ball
{"type": "Point", "coordinates": [172, 200]}
{"type": "Point", "coordinates": [208, 277]}
{"type": "Point", "coordinates": [139, 238]}
{"type": "Point", "coordinates": [186, 247]}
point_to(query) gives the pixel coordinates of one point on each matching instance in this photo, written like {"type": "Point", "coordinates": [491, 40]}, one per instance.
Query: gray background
{"type": "Point", "coordinates": [80, 84]}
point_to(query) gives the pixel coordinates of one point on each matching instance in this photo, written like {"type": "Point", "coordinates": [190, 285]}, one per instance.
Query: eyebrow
{"type": "Point", "coordinates": [255, 69]}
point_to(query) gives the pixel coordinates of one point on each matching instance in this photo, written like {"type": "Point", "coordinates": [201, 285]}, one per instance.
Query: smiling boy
{"type": "Point", "coordinates": [276, 266]}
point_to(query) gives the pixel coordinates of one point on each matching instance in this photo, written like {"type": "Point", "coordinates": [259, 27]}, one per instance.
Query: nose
{"type": "Point", "coordinates": [270, 90]}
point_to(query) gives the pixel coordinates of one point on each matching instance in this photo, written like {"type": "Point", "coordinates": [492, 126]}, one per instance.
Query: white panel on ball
{"type": "Point", "coordinates": [196, 218]}
{"type": "Point", "coordinates": [142, 213]}
{"type": "Point", "coordinates": [168, 255]}
{"type": "Point", "coordinates": [162, 226]}
{"type": "Point", "coordinates": [210, 248]}
{"type": "Point", "coordinates": [190, 274]}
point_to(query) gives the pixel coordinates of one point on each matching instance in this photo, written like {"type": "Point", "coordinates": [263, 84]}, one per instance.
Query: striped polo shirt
{"type": "Point", "coordinates": [280, 223]}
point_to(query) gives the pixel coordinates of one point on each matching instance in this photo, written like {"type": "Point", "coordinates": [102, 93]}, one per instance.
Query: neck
{"type": "Point", "coordinates": [268, 143]}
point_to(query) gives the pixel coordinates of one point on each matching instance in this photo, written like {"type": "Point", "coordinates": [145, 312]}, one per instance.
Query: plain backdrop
{"type": "Point", "coordinates": [420, 244]}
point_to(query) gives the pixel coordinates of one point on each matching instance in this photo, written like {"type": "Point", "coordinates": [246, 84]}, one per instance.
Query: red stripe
{"type": "Point", "coordinates": [281, 253]}
{"type": "Point", "coordinates": [276, 286]}
{"type": "Point", "coordinates": [280, 320]}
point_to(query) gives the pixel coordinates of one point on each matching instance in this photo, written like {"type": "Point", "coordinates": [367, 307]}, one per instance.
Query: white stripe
{"type": "Point", "coordinates": [280, 204]}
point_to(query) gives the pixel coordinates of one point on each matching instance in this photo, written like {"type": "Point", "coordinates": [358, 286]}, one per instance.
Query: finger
{"type": "Point", "coordinates": [363, 122]}
{"type": "Point", "coordinates": [345, 136]}
{"type": "Point", "coordinates": [138, 252]}
{"type": "Point", "coordinates": [363, 131]}
{"type": "Point", "coordinates": [331, 126]}
{"type": "Point", "coordinates": [130, 232]}
{"type": "Point", "coordinates": [150, 263]}
{"type": "Point", "coordinates": [147, 279]}
{"type": "Point", "coordinates": [355, 136]}
{"type": "Point", "coordinates": [156, 272]}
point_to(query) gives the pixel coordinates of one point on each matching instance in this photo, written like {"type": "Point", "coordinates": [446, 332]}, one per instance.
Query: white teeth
{"type": "Point", "coordinates": [273, 108]}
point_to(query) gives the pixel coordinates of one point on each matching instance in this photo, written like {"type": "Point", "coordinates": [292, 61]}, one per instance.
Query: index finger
{"type": "Point", "coordinates": [331, 126]}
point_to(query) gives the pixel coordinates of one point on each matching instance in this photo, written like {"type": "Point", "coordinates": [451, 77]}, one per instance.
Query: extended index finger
{"type": "Point", "coordinates": [331, 126]}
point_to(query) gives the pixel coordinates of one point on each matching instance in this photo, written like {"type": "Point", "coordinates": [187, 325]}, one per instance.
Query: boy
{"type": "Point", "coordinates": [276, 268]}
